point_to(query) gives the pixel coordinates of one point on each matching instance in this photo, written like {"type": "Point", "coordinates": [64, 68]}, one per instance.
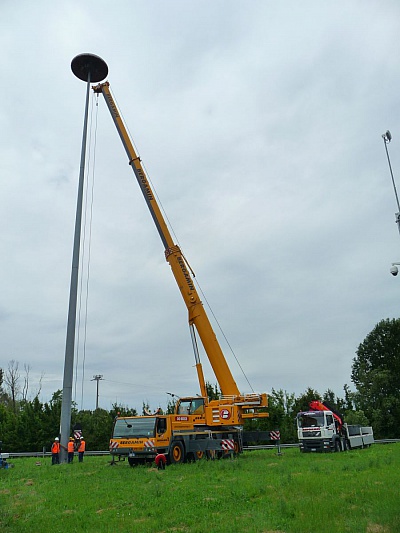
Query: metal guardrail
{"type": "Point", "coordinates": [246, 448]}
{"type": "Point", "coordinates": [48, 454]}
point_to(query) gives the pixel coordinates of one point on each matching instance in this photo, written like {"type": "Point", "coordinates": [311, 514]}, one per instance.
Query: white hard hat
{"type": "Point", "coordinates": [56, 438]}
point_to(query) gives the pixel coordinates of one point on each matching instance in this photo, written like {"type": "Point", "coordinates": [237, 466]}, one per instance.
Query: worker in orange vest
{"type": "Point", "coordinates": [81, 449]}
{"type": "Point", "coordinates": [55, 452]}
{"type": "Point", "coordinates": [71, 449]}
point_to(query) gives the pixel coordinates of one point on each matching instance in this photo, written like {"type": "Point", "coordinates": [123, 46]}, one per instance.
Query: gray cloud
{"type": "Point", "coordinates": [259, 125]}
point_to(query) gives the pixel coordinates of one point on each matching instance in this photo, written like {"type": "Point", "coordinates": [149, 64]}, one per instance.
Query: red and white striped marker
{"type": "Point", "coordinates": [227, 445]}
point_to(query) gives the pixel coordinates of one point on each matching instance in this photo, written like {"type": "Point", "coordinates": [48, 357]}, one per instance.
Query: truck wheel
{"type": "Point", "coordinates": [176, 454]}
{"type": "Point", "coordinates": [237, 448]}
{"type": "Point", "coordinates": [192, 457]}
{"type": "Point", "coordinates": [132, 462]}
{"type": "Point", "coordinates": [199, 455]}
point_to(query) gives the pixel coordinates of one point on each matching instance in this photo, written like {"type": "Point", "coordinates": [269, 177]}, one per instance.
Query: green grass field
{"type": "Point", "coordinates": [357, 491]}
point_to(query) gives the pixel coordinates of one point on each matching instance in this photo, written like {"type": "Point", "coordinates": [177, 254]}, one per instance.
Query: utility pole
{"type": "Point", "coordinates": [88, 68]}
{"type": "Point", "coordinates": [97, 378]}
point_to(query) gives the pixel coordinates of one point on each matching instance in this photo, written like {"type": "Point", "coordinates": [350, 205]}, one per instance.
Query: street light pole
{"type": "Point", "coordinates": [89, 68]}
{"type": "Point", "coordinates": [387, 137]}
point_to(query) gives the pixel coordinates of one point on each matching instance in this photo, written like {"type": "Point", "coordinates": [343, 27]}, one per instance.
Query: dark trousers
{"type": "Point", "coordinates": [55, 459]}
{"type": "Point", "coordinates": [81, 457]}
{"type": "Point", "coordinates": [70, 457]}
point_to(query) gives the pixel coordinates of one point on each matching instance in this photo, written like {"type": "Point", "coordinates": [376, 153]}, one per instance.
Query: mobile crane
{"type": "Point", "coordinates": [199, 426]}
{"type": "Point", "coordinates": [322, 429]}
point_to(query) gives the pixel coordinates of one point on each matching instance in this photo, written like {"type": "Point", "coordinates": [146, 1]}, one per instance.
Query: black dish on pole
{"type": "Point", "coordinates": [83, 64]}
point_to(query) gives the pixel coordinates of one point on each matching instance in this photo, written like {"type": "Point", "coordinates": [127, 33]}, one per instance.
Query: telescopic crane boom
{"type": "Point", "coordinates": [198, 318]}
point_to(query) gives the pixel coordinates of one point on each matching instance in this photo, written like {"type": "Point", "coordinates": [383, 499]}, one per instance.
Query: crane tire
{"type": "Point", "coordinates": [237, 448]}
{"type": "Point", "coordinates": [177, 453]}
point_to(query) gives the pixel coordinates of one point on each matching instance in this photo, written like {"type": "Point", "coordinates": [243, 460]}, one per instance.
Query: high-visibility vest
{"type": "Point", "coordinates": [81, 446]}
{"type": "Point", "coordinates": [55, 447]}
{"type": "Point", "coordinates": [70, 446]}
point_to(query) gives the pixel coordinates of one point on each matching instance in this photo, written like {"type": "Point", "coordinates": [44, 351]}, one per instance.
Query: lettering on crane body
{"type": "Point", "coordinates": [112, 105]}
{"type": "Point", "coordinates": [185, 273]}
{"type": "Point", "coordinates": [144, 182]}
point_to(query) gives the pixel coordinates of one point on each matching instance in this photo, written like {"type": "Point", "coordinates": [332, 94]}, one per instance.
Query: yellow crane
{"type": "Point", "coordinates": [198, 425]}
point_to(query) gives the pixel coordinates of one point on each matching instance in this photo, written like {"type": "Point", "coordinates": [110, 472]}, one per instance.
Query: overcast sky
{"type": "Point", "coordinates": [259, 124]}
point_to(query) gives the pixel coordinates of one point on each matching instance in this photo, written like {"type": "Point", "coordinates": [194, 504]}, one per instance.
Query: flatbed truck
{"type": "Point", "coordinates": [322, 429]}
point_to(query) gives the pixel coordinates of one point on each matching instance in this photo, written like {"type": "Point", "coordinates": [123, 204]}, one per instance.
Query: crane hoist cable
{"type": "Point", "coordinates": [86, 247]}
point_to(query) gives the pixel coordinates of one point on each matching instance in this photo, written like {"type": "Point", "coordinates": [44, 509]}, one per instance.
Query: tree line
{"type": "Point", "coordinates": [29, 425]}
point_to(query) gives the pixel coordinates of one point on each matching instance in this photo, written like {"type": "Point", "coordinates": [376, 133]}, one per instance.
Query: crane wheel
{"type": "Point", "coordinates": [192, 457]}
{"type": "Point", "coordinates": [176, 454]}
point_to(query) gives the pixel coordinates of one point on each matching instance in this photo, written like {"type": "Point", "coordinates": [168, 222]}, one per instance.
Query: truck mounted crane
{"type": "Point", "coordinates": [323, 429]}
{"type": "Point", "coordinates": [198, 426]}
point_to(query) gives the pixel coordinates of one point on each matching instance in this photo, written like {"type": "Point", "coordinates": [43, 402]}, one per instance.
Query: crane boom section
{"type": "Point", "coordinates": [174, 256]}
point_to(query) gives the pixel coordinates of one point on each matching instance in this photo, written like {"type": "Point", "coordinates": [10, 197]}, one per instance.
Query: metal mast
{"type": "Point", "coordinates": [89, 68]}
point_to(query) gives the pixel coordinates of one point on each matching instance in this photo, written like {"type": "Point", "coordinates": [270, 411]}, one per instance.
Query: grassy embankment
{"type": "Point", "coordinates": [351, 492]}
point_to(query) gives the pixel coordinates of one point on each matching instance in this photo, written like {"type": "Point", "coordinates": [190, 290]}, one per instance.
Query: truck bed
{"type": "Point", "coordinates": [360, 436]}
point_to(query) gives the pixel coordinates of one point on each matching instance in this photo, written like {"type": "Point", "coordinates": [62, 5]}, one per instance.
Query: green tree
{"type": "Point", "coordinates": [96, 428]}
{"type": "Point", "coordinates": [281, 414]}
{"type": "Point", "coordinates": [357, 418]}
{"type": "Point", "coordinates": [302, 402]}
{"type": "Point", "coordinates": [376, 375]}
{"type": "Point", "coordinates": [349, 401]}
{"type": "Point", "coordinates": [29, 426]}
{"type": "Point", "coordinates": [213, 391]}
{"type": "Point", "coordinates": [122, 410]}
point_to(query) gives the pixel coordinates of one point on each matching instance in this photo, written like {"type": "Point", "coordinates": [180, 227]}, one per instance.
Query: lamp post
{"type": "Point", "coordinates": [89, 68]}
{"type": "Point", "coordinates": [387, 137]}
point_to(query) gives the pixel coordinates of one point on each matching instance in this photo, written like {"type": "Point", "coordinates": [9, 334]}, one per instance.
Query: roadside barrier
{"type": "Point", "coordinates": [245, 448]}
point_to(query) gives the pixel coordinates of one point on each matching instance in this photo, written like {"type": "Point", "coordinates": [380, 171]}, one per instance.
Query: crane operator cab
{"type": "Point", "coordinates": [190, 406]}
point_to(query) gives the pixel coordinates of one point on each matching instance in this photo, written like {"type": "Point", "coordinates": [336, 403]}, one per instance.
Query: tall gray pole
{"type": "Point", "coordinates": [89, 68]}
